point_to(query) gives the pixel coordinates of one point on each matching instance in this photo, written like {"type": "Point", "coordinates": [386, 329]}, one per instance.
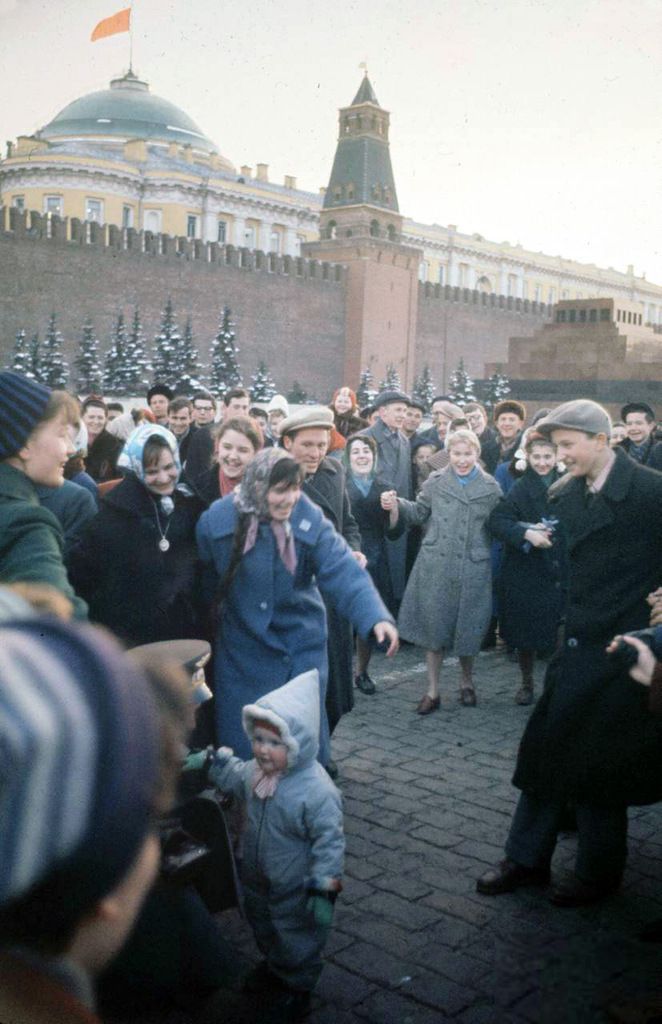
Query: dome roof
{"type": "Point", "coordinates": [127, 110]}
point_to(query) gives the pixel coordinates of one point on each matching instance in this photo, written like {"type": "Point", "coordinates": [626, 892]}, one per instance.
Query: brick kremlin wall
{"type": "Point", "coordinates": [458, 322]}
{"type": "Point", "coordinates": [288, 311]}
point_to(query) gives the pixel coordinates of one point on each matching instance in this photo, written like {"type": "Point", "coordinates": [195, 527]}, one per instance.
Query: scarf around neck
{"type": "Point", "coordinates": [265, 784]}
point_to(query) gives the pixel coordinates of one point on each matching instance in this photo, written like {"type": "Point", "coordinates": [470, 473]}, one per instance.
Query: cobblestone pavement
{"type": "Point", "coordinates": [428, 802]}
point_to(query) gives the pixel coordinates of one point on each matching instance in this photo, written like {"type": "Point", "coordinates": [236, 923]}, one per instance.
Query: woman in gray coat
{"type": "Point", "coordinates": [448, 600]}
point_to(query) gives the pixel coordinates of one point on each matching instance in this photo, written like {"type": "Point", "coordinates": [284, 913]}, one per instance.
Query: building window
{"type": "Point", "coordinates": [560, 316]}
{"type": "Point", "coordinates": [350, 192]}
{"type": "Point", "coordinates": [127, 216]}
{"type": "Point", "coordinates": [537, 295]}
{"type": "Point", "coordinates": [94, 210]}
{"type": "Point", "coordinates": [331, 229]}
{"type": "Point", "coordinates": [222, 232]}
{"type": "Point", "coordinates": [565, 294]}
{"type": "Point", "coordinates": [301, 239]}
{"type": "Point", "coordinates": [551, 296]}
{"type": "Point", "coordinates": [572, 315]}
{"type": "Point", "coordinates": [274, 242]}
{"type": "Point", "coordinates": [391, 233]}
{"type": "Point", "coordinates": [423, 271]}
{"type": "Point", "coordinates": [442, 273]}
{"type": "Point", "coordinates": [18, 202]}
{"type": "Point", "coordinates": [604, 315]}
{"type": "Point", "coordinates": [593, 316]}
{"type": "Point", "coordinates": [53, 204]}
{"type": "Point", "coordinates": [249, 237]}
{"type": "Point", "coordinates": [374, 228]}
{"type": "Point", "coordinates": [152, 221]}
{"type": "Point", "coordinates": [512, 285]}
{"type": "Point", "coordinates": [191, 226]}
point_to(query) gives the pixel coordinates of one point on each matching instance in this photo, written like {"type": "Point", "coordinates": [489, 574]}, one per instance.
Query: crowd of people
{"type": "Point", "coordinates": [296, 542]}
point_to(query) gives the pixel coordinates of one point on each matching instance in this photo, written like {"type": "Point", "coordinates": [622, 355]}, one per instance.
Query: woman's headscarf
{"type": "Point", "coordinates": [251, 499]}
{"type": "Point", "coordinates": [131, 456]}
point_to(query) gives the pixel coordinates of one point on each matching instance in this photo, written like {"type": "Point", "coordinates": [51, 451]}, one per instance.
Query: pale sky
{"type": "Point", "coordinates": [532, 121]}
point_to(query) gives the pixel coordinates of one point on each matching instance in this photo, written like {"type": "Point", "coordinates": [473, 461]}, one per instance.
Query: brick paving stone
{"type": "Point", "coordinates": [401, 911]}
{"type": "Point", "coordinates": [390, 1008]}
{"type": "Point", "coordinates": [440, 993]}
{"type": "Point", "coordinates": [343, 988]}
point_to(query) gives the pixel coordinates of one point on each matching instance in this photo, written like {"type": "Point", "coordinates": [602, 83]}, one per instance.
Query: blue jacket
{"type": "Point", "coordinates": [273, 625]}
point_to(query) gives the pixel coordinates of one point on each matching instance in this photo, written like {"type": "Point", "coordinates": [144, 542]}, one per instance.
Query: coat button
{"type": "Point", "coordinates": [263, 605]}
{"type": "Point", "coordinates": [573, 642]}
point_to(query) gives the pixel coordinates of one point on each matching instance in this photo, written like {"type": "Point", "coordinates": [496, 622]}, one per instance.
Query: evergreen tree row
{"type": "Point", "coordinates": [461, 387]}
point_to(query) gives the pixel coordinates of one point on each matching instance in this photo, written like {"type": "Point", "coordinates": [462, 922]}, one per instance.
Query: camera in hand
{"type": "Point", "coordinates": [628, 655]}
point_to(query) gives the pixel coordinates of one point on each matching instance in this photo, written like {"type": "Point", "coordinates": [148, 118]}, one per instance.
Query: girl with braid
{"type": "Point", "coordinates": [270, 554]}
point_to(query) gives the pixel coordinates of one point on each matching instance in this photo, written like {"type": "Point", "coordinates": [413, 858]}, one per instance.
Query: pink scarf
{"type": "Point", "coordinates": [284, 541]}
{"type": "Point", "coordinates": [264, 785]}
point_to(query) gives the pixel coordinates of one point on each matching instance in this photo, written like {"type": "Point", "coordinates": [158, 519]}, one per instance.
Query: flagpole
{"type": "Point", "coordinates": [131, 37]}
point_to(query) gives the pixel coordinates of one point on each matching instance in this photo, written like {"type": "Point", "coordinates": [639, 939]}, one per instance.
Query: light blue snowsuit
{"type": "Point", "coordinates": [294, 839]}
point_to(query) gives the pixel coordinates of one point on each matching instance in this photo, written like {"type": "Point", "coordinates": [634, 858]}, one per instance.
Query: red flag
{"type": "Point", "coordinates": [119, 22]}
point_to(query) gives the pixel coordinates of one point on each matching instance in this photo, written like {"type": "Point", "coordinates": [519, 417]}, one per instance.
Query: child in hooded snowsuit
{"type": "Point", "coordinates": [294, 845]}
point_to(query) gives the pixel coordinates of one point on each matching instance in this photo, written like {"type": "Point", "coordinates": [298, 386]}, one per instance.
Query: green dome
{"type": "Point", "coordinates": [128, 110]}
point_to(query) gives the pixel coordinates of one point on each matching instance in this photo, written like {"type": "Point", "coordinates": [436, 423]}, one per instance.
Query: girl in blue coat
{"type": "Point", "coordinates": [268, 553]}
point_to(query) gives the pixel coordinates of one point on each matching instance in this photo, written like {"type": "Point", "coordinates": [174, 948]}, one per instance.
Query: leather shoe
{"type": "Point", "coordinates": [509, 876]}
{"type": "Point", "coordinates": [575, 892]}
{"type": "Point", "coordinates": [468, 696]}
{"type": "Point", "coordinates": [364, 683]}
{"type": "Point", "coordinates": [427, 705]}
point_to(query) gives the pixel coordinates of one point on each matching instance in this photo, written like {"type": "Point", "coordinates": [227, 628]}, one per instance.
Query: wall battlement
{"type": "Point", "coordinates": [492, 301]}
{"type": "Point", "coordinates": [71, 232]}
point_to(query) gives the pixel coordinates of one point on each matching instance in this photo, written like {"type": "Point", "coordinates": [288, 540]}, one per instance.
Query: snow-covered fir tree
{"type": "Point", "coordinates": [262, 386]}
{"type": "Point", "coordinates": [424, 388]}
{"type": "Point", "coordinates": [366, 392]}
{"type": "Point", "coordinates": [189, 374]}
{"type": "Point", "coordinates": [224, 371]}
{"type": "Point", "coordinates": [20, 357]}
{"type": "Point", "coordinates": [88, 367]}
{"type": "Point", "coordinates": [137, 367]}
{"type": "Point", "coordinates": [115, 363]}
{"type": "Point", "coordinates": [167, 348]}
{"type": "Point", "coordinates": [297, 395]}
{"type": "Point", "coordinates": [461, 386]}
{"type": "Point", "coordinates": [34, 358]}
{"type": "Point", "coordinates": [391, 381]}
{"type": "Point", "coordinates": [496, 388]}
{"type": "Point", "coordinates": [53, 367]}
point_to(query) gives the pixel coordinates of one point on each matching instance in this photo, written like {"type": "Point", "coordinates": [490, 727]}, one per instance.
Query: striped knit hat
{"type": "Point", "coordinates": [79, 763]}
{"type": "Point", "coordinates": [22, 405]}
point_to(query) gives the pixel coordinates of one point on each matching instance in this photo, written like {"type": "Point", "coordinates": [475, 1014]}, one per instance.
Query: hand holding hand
{"type": "Point", "coordinates": [389, 500]}
{"type": "Point", "coordinates": [655, 601]}
{"type": "Point", "coordinates": [387, 631]}
{"type": "Point", "coordinates": [359, 557]}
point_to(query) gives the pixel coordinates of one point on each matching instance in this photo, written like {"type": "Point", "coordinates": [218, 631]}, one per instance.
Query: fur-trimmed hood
{"type": "Point", "coordinates": [293, 709]}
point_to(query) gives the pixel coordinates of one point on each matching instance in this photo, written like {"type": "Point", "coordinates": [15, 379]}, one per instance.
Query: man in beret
{"type": "Point", "coordinates": [509, 417]}
{"type": "Point", "coordinates": [591, 738]}
{"type": "Point", "coordinates": [159, 398]}
{"type": "Point", "coordinates": [640, 443]}
{"type": "Point", "coordinates": [305, 436]}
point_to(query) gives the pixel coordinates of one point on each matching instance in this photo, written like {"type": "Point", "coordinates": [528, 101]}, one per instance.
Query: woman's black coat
{"type": "Point", "coordinates": [139, 592]}
{"type": "Point", "coordinates": [373, 523]}
{"type": "Point", "coordinates": [532, 584]}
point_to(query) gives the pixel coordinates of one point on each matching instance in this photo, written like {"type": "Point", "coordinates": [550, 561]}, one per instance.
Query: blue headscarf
{"type": "Point", "coordinates": [131, 456]}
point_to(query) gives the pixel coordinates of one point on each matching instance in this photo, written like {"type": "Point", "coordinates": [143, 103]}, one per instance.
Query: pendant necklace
{"type": "Point", "coordinates": [164, 543]}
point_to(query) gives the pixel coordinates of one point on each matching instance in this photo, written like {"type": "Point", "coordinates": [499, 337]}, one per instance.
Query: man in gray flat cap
{"type": "Point", "coordinates": [591, 738]}
{"type": "Point", "coordinates": [394, 454]}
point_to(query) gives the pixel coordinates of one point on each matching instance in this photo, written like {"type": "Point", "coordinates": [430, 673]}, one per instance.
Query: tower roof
{"type": "Point", "coordinates": [362, 173]}
{"type": "Point", "coordinates": [366, 93]}
{"type": "Point", "coordinates": [127, 110]}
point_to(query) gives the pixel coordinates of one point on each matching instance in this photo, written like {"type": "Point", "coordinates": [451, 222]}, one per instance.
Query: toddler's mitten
{"type": "Point", "coordinates": [198, 760]}
{"type": "Point", "coordinates": [320, 906]}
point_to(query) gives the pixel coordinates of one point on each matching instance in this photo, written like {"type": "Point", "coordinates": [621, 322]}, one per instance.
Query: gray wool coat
{"type": "Point", "coordinates": [448, 600]}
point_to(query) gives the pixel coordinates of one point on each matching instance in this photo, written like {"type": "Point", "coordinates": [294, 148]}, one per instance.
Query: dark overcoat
{"type": "Point", "coordinates": [394, 453]}
{"type": "Point", "coordinates": [327, 489]}
{"type": "Point", "coordinates": [31, 538]}
{"type": "Point", "coordinates": [373, 523]}
{"type": "Point", "coordinates": [273, 624]}
{"type": "Point", "coordinates": [652, 452]}
{"type": "Point", "coordinates": [591, 736]}
{"type": "Point", "coordinates": [533, 581]}
{"type": "Point", "coordinates": [140, 592]}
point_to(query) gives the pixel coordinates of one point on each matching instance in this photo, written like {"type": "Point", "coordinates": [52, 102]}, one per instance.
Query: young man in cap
{"type": "Point", "coordinates": [413, 418]}
{"type": "Point", "coordinates": [305, 436]}
{"type": "Point", "coordinates": [591, 739]}
{"type": "Point", "coordinates": [640, 443]}
{"type": "Point", "coordinates": [394, 454]}
{"type": "Point", "coordinates": [159, 397]}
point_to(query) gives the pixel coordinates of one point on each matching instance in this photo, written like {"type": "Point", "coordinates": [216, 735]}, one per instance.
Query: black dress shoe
{"type": "Point", "coordinates": [364, 683]}
{"type": "Point", "coordinates": [575, 892]}
{"type": "Point", "coordinates": [509, 876]}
